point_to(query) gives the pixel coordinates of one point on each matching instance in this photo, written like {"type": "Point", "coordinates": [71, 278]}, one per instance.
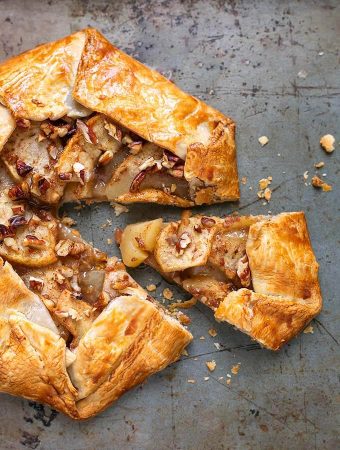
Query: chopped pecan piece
{"type": "Point", "coordinates": [43, 185]}
{"type": "Point", "coordinates": [135, 147]}
{"type": "Point", "coordinates": [53, 130]}
{"type": "Point", "coordinates": [6, 232]}
{"type": "Point", "coordinates": [177, 172]}
{"type": "Point", "coordinates": [207, 222]}
{"type": "Point", "coordinates": [114, 131]}
{"type": "Point", "coordinates": [34, 242]}
{"type": "Point", "coordinates": [67, 247]}
{"type": "Point", "coordinates": [105, 158]}
{"type": "Point", "coordinates": [184, 240]}
{"type": "Point", "coordinates": [19, 192]}
{"type": "Point", "coordinates": [17, 221]}
{"type": "Point", "coordinates": [134, 187]}
{"type": "Point", "coordinates": [18, 209]}
{"type": "Point", "coordinates": [121, 283]}
{"type": "Point", "coordinates": [243, 271]}
{"type": "Point", "coordinates": [36, 284]}
{"type": "Point", "coordinates": [87, 132]}
{"type": "Point", "coordinates": [22, 168]}
{"type": "Point", "coordinates": [23, 123]}
{"type": "Point", "coordinates": [65, 176]}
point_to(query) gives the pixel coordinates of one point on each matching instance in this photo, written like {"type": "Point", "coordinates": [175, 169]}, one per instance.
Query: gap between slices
{"type": "Point", "coordinates": [258, 273]}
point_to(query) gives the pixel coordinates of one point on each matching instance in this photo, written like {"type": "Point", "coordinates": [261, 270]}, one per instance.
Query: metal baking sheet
{"type": "Point", "coordinates": [273, 67]}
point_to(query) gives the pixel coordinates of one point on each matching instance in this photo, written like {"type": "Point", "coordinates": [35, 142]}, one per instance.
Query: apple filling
{"type": "Point", "coordinates": [205, 255]}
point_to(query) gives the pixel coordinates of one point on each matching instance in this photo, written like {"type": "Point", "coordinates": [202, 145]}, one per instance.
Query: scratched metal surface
{"type": "Point", "coordinates": [244, 59]}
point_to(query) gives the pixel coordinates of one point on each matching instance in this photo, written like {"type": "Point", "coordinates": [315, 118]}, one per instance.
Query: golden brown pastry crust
{"type": "Point", "coordinates": [89, 72]}
{"type": "Point", "coordinates": [128, 339]}
{"type": "Point", "coordinates": [37, 84]}
{"type": "Point", "coordinates": [7, 125]}
{"type": "Point", "coordinates": [272, 257]}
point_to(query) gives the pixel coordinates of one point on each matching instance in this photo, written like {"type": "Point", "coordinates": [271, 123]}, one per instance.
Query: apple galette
{"type": "Point", "coordinates": [258, 273]}
{"type": "Point", "coordinates": [80, 119]}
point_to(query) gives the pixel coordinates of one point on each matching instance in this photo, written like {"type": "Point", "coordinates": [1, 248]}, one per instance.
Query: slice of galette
{"type": "Point", "coordinates": [103, 126]}
{"type": "Point", "coordinates": [258, 273]}
{"type": "Point", "coordinates": [76, 331]}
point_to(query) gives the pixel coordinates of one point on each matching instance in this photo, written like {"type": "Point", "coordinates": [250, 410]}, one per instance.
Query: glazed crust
{"type": "Point", "coordinates": [129, 340]}
{"type": "Point", "coordinates": [37, 84]}
{"type": "Point", "coordinates": [285, 279]}
{"type": "Point", "coordinates": [271, 257]}
{"type": "Point", "coordinates": [90, 74]}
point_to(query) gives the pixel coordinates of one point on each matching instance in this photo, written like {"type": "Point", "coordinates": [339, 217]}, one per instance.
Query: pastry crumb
{"type": "Point", "coordinates": [305, 175]}
{"type": "Point", "coordinates": [235, 369]}
{"type": "Point", "coordinates": [206, 378]}
{"type": "Point", "coordinates": [264, 182]}
{"type": "Point", "coordinates": [211, 365]}
{"type": "Point", "coordinates": [318, 165]}
{"type": "Point", "coordinates": [327, 143]}
{"type": "Point", "coordinates": [244, 180]}
{"type": "Point", "coordinates": [68, 221]}
{"type": "Point", "coordinates": [228, 381]}
{"type": "Point", "coordinates": [109, 241]}
{"type": "Point", "coordinates": [263, 140]}
{"type": "Point", "coordinates": [202, 338]}
{"type": "Point", "coordinates": [119, 209]}
{"type": "Point", "coordinates": [192, 381]}
{"type": "Point", "coordinates": [265, 192]}
{"type": "Point", "coordinates": [217, 345]}
{"type": "Point", "coordinates": [184, 320]}
{"type": "Point", "coordinates": [151, 287]}
{"type": "Point", "coordinates": [167, 294]}
{"type": "Point", "coordinates": [302, 74]}
{"type": "Point", "coordinates": [185, 305]}
{"type": "Point", "coordinates": [185, 352]}
{"type": "Point", "coordinates": [309, 329]}
{"type": "Point", "coordinates": [318, 183]}
{"type": "Point", "coordinates": [212, 332]}
{"type": "Point", "coordinates": [106, 224]}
